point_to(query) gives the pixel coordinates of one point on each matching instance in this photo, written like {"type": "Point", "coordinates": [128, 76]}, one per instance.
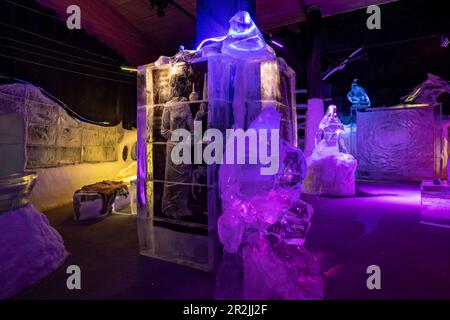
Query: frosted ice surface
{"type": "Point", "coordinates": [31, 249]}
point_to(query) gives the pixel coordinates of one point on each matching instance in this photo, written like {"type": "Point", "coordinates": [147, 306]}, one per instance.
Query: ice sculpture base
{"type": "Point", "coordinates": [331, 175]}
{"type": "Point", "coordinates": [435, 204]}
{"type": "Point", "coordinates": [259, 272]}
{"type": "Point", "coordinates": [198, 251]}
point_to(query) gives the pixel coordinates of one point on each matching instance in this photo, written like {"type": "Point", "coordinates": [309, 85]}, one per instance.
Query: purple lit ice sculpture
{"type": "Point", "coordinates": [245, 41]}
{"type": "Point", "coordinates": [250, 199]}
{"type": "Point", "coordinates": [264, 223]}
{"type": "Point", "coordinates": [239, 76]}
{"type": "Point", "coordinates": [331, 170]}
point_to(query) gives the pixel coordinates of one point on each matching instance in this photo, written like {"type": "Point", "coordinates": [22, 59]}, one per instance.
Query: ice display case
{"type": "Point", "coordinates": [179, 205]}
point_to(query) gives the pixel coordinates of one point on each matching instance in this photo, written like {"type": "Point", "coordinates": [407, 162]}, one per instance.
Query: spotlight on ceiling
{"type": "Point", "coordinates": [160, 6]}
{"type": "Point", "coordinates": [444, 42]}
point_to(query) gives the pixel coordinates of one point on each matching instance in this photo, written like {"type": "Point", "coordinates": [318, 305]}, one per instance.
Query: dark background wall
{"type": "Point", "coordinates": [394, 65]}
{"type": "Point", "coordinates": [74, 67]}
{"type": "Point", "coordinates": [85, 74]}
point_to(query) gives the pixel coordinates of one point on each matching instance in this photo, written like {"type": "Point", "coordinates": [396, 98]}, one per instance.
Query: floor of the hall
{"type": "Point", "coordinates": [380, 226]}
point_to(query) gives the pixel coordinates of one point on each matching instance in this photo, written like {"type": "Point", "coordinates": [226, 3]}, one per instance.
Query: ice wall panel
{"type": "Point", "coordinates": [69, 137]}
{"type": "Point", "coordinates": [396, 144]}
{"type": "Point", "coordinates": [55, 135]}
{"type": "Point", "coordinates": [41, 157]}
{"type": "Point", "coordinates": [41, 135]}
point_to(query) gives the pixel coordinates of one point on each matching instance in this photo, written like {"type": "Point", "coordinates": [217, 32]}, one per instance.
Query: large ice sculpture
{"type": "Point", "coordinates": [358, 96]}
{"type": "Point", "coordinates": [263, 227]}
{"type": "Point", "coordinates": [225, 84]}
{"type": "Point", "coordinates": [331, 170]}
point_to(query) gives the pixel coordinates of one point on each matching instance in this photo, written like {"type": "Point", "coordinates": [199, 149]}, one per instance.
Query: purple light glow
{"type": "Point", "coordinates": [277, 44]}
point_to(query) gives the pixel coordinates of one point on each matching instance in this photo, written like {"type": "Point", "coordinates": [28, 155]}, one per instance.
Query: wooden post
{"type": "Point", "coordinates": [315, 111]}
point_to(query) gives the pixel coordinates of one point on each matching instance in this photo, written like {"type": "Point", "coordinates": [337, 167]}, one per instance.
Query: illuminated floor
{"type": "Point", "coordinates": [378, 227]}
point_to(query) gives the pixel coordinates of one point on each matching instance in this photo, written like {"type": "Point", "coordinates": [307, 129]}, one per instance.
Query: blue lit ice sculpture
{"type": "Point", "coordinates": [331, 170]}
{"type": "Point", "coordinates": [358, 96]}
{"type": "Point", "coordinates": [359, 99]}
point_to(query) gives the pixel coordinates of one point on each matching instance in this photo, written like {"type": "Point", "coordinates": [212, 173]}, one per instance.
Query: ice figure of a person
{"type": "Point", "coordinates": [358, 96]}
{"type": "Point", "coordinates": [176, 115]}
{"type": "Point", "coordinates": [200, 116]}
{"type": "Point", "coordinates": [331, 169]}
{"type": "Point", "coordinates": [329, 138]}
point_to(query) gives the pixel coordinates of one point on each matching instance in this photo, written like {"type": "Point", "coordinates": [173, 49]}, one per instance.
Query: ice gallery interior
{"type": "Point", "coordinates": [224, 150]}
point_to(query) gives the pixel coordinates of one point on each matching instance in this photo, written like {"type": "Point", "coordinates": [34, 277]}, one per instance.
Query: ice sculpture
{"type": "Point", "coordinates": [245, 41]}
{"type": "Point", "coordinates": [329, 136]}
{"type": "Point", "coordinates": [358, 96]}
{"type": "Point", "coordinates": [225, 84]}
{"type": "Point", "coordinates": [428, 91]}
{"type": "Point", "coordinates": [248, 197]}
{"type": "Point", "coordinates": [359, 99]}
{"type": "Point", "coordinates": [263, 227]}
{"type": "Point", "coordinates": [331, 170]}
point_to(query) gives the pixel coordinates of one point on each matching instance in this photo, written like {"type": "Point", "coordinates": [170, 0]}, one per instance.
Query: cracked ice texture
{"type": "Point", "coordinates": [331, 170]}
{"type": "Point", "coordinates": [31, 249]}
